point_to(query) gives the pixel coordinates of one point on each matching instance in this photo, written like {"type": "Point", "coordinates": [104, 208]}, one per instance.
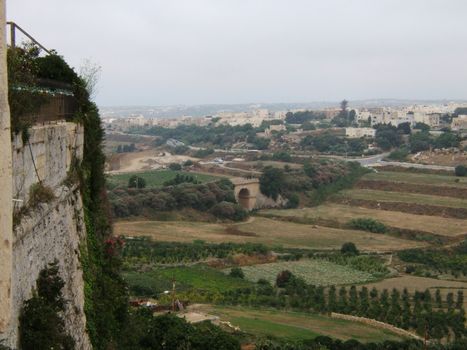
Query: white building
{"type": "Point", "coordinates": [353, 133]}
{"type": "Point", "coordinates": [459, 123]}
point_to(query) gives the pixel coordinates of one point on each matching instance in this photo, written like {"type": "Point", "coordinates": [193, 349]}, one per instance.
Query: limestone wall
{"type": "Point", "coordinates": [5, 184]}
{"type": "Point", "coordinates": [52, 147]}
{"type": "Point", "coordinates": [53, 231]}
{"type": "Point", "coordinates": [49, 231]}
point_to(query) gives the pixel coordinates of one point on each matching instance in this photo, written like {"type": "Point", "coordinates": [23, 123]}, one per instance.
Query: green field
{"type": "Point", "coordinates": [385, 196]}
{"type": "Point", "coordinates": [418, 178]}
{"type": "Point", "coordinates": [314, 271]}
{"type": "Point", "coordinates": [199, 277]}
{"type": "Point", "coordinates": [298, 325]}
{"type": "Point", "coordinates": [156, 178]}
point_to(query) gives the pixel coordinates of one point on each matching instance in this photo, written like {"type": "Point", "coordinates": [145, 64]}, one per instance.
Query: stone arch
{"type": "Point", "coordinates": [246, 192]}
{"type": "Point", "coordinates": [244, 198]}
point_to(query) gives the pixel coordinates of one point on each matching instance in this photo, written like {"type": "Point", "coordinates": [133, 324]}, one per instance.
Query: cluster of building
{"type": "Point", "coordinates": [368, 117]}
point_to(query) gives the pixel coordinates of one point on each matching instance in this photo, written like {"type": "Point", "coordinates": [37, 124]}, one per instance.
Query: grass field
{"type": "Point", "coordinates": [313, 271]}
{"type": "Point", "coordinates": [385, 196]}
{"type": "Point", "coordinates": [344, 213]}
{"type": "Point", "coordinates": [418, 178]}
{"type": "Point", "coordinates": [199, 277]}
{"type": "Point", "coordinates": [262, 230]}
{"type": "Point", "coordinates": [156, 178]}
{"type": "Point", "coordinates": [297, 325]}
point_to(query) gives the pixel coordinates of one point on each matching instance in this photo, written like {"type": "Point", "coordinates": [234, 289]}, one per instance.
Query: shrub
{"type": "Point", "coordinates": [237, 272]}
{"type": "Point", "coordinates": [349, 248]}
{"type": "Point", "coordinates": [293, 200]}
{"type": "Point", "coordinates": [41, 324]}
{"type": "Point", "coordinates": [230, 211]}
{"type": "Point", "coordinates": [175, 166]}
{"type": "Point", "coordinates": [460, 170]}
{"type": "Point", "coordinates": [39, 193]}
{"type": "Point", "coordinates": [368, 224]}
{"type": "Point", "coordinates": [398, 154]}
{"type": "Point", "coordinates": [136, 182]}
{"type": "Point", "coordinates": [283, 278]}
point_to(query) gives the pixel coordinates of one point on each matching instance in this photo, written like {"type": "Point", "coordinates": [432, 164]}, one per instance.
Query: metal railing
{"type": "Point", "coordinates": [13, 27]}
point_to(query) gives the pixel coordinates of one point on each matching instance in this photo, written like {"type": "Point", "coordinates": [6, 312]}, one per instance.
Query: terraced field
{"type": "Point", "coordinates": [263, 230]}
{"type": "Point", "coordinates": [296, 325]}
{"type": "Point", "coordinates": [313, 271]}
{"type": "Point", "coordinates": [418, 178]}
{"type": "Point", "coordinates": [386, 196]}
{"type": "Point", "coordinates": [342, 214]}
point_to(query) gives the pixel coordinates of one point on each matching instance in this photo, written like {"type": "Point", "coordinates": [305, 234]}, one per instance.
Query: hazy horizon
{"type": "Point", "coordinates": [197, 52]}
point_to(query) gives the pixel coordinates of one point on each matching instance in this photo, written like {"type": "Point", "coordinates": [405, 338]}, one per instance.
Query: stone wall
{"type": "Point", "coordinates": [48, 231]}
{"type": "Point", "coordinates": [5, 184]}
{"type": "Point", "coordinates": [54, 231]}
{"type": "Point", "coordinates": [46, 156]}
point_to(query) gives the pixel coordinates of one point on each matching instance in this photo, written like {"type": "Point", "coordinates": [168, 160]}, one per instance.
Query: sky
{"type": "Point", "coordinates": [165, 52]}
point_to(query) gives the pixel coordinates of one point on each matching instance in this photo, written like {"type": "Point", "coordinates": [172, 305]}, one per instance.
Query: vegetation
{"type": "Point", "coordinates": [315, 271]}
{"type": "Point", "coordinates": [236, 272]}
{"type": "Point", "coordinates": [145, 251]}
{"type": "Point", "coordinates": [39, 193]}
{"type": "Point", "coordinates": [368, 224]}
{"type": "Point", "coordinates": [215, 197]}
{"type": "Point", "coordinates": [42, 326]}
{"type": "Point", "coordinates": [180, 179]}
{"type": "Point", "coordinates": [442, 261]}
{"type": "Point", "coordinates": [172, 332]}
{"type": "Point", "coordinates": [460, 170]}
{"type": "Point", "coordinates": [155, 178]}
{"type": "Point", "coordinates": [349, 248]}
{"type": "Point", "coordinates": [136, 182]}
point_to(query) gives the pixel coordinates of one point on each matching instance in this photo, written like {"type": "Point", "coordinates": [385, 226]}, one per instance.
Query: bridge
{"type": "Point", "coordinates": [246, 191]}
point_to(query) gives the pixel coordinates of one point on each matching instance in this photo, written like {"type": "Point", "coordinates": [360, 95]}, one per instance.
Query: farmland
{"type": "Point", "coordinates": [313, 271]}
{"type": "Point", "coordinates": [418, 178]}
{"type": "Point", "coordinates": [344, 213]}
{"type": "Point", "coordinates": [262, 230]}
{"type": "Point", "coordinates": [297, 325]}
{"type": "Point", "coordinates": [385, 196]}
{"type": "Point", "coordinates": [202, 278]}
{"type": "Point", "coordinates": [155, 178]}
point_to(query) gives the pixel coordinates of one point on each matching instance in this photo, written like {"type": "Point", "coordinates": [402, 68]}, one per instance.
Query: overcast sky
{"type": "Point", "coordinates": [161, 52]}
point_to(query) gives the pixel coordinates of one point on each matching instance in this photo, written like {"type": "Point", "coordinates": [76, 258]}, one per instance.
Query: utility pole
{"type": "Point", "coordinates": [173, 294]}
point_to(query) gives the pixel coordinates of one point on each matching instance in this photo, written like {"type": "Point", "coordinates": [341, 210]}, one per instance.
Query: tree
{"type": "Point", "coordinates": [90, 72]}
{"type": "Point", "coordinates": [41, 324]}
{"type": "Point", "coordinates": [283, 278]}
{"type": "Point", "coordinates": [404, 128]}
{"type": "Point", "coordinates": [460, 170]}
{"type": "Point", "coordinates": [236, 272]}
{"type": "Point", "coordinates": [136, 181]}
{"type": "Point", "coordinates": [349, 248]}
{"type": "Point", "coordinates": [175, 167]}
{"type": "Point", "coordinates": [447, 140]}
{"type": "Point", "coordinates": [272, 182]}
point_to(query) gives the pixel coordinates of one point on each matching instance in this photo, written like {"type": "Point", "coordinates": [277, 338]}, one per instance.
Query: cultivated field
{"type": "Point", "coordinates": [297, 325]}
{"type": "Point", "coordinates": [418, 178]}
{"type": "Point", "coordinates": [313, 271]}
{"type": "Point", "coordinates": [385, 196]}
{"type": "Point", "coordinates": [156, 178]}
{"type": "Point", "coordinates": [262, 230]}
{"type": "Point", "coordinates": [344, 213]}
{"type": "Point", "coordinates": [413, 283]}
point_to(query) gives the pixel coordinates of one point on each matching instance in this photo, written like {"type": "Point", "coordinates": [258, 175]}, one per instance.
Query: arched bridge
{"type": "Point", "coordinates": [246, 191]}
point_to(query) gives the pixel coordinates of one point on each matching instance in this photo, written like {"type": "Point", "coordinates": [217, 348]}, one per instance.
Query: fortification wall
{"type": "Point", "coordinates": [5, 184]}
{"type": "Point", "coordinates": [48, 231]}
{"type": "Point", "coordinates": [46, 156]}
